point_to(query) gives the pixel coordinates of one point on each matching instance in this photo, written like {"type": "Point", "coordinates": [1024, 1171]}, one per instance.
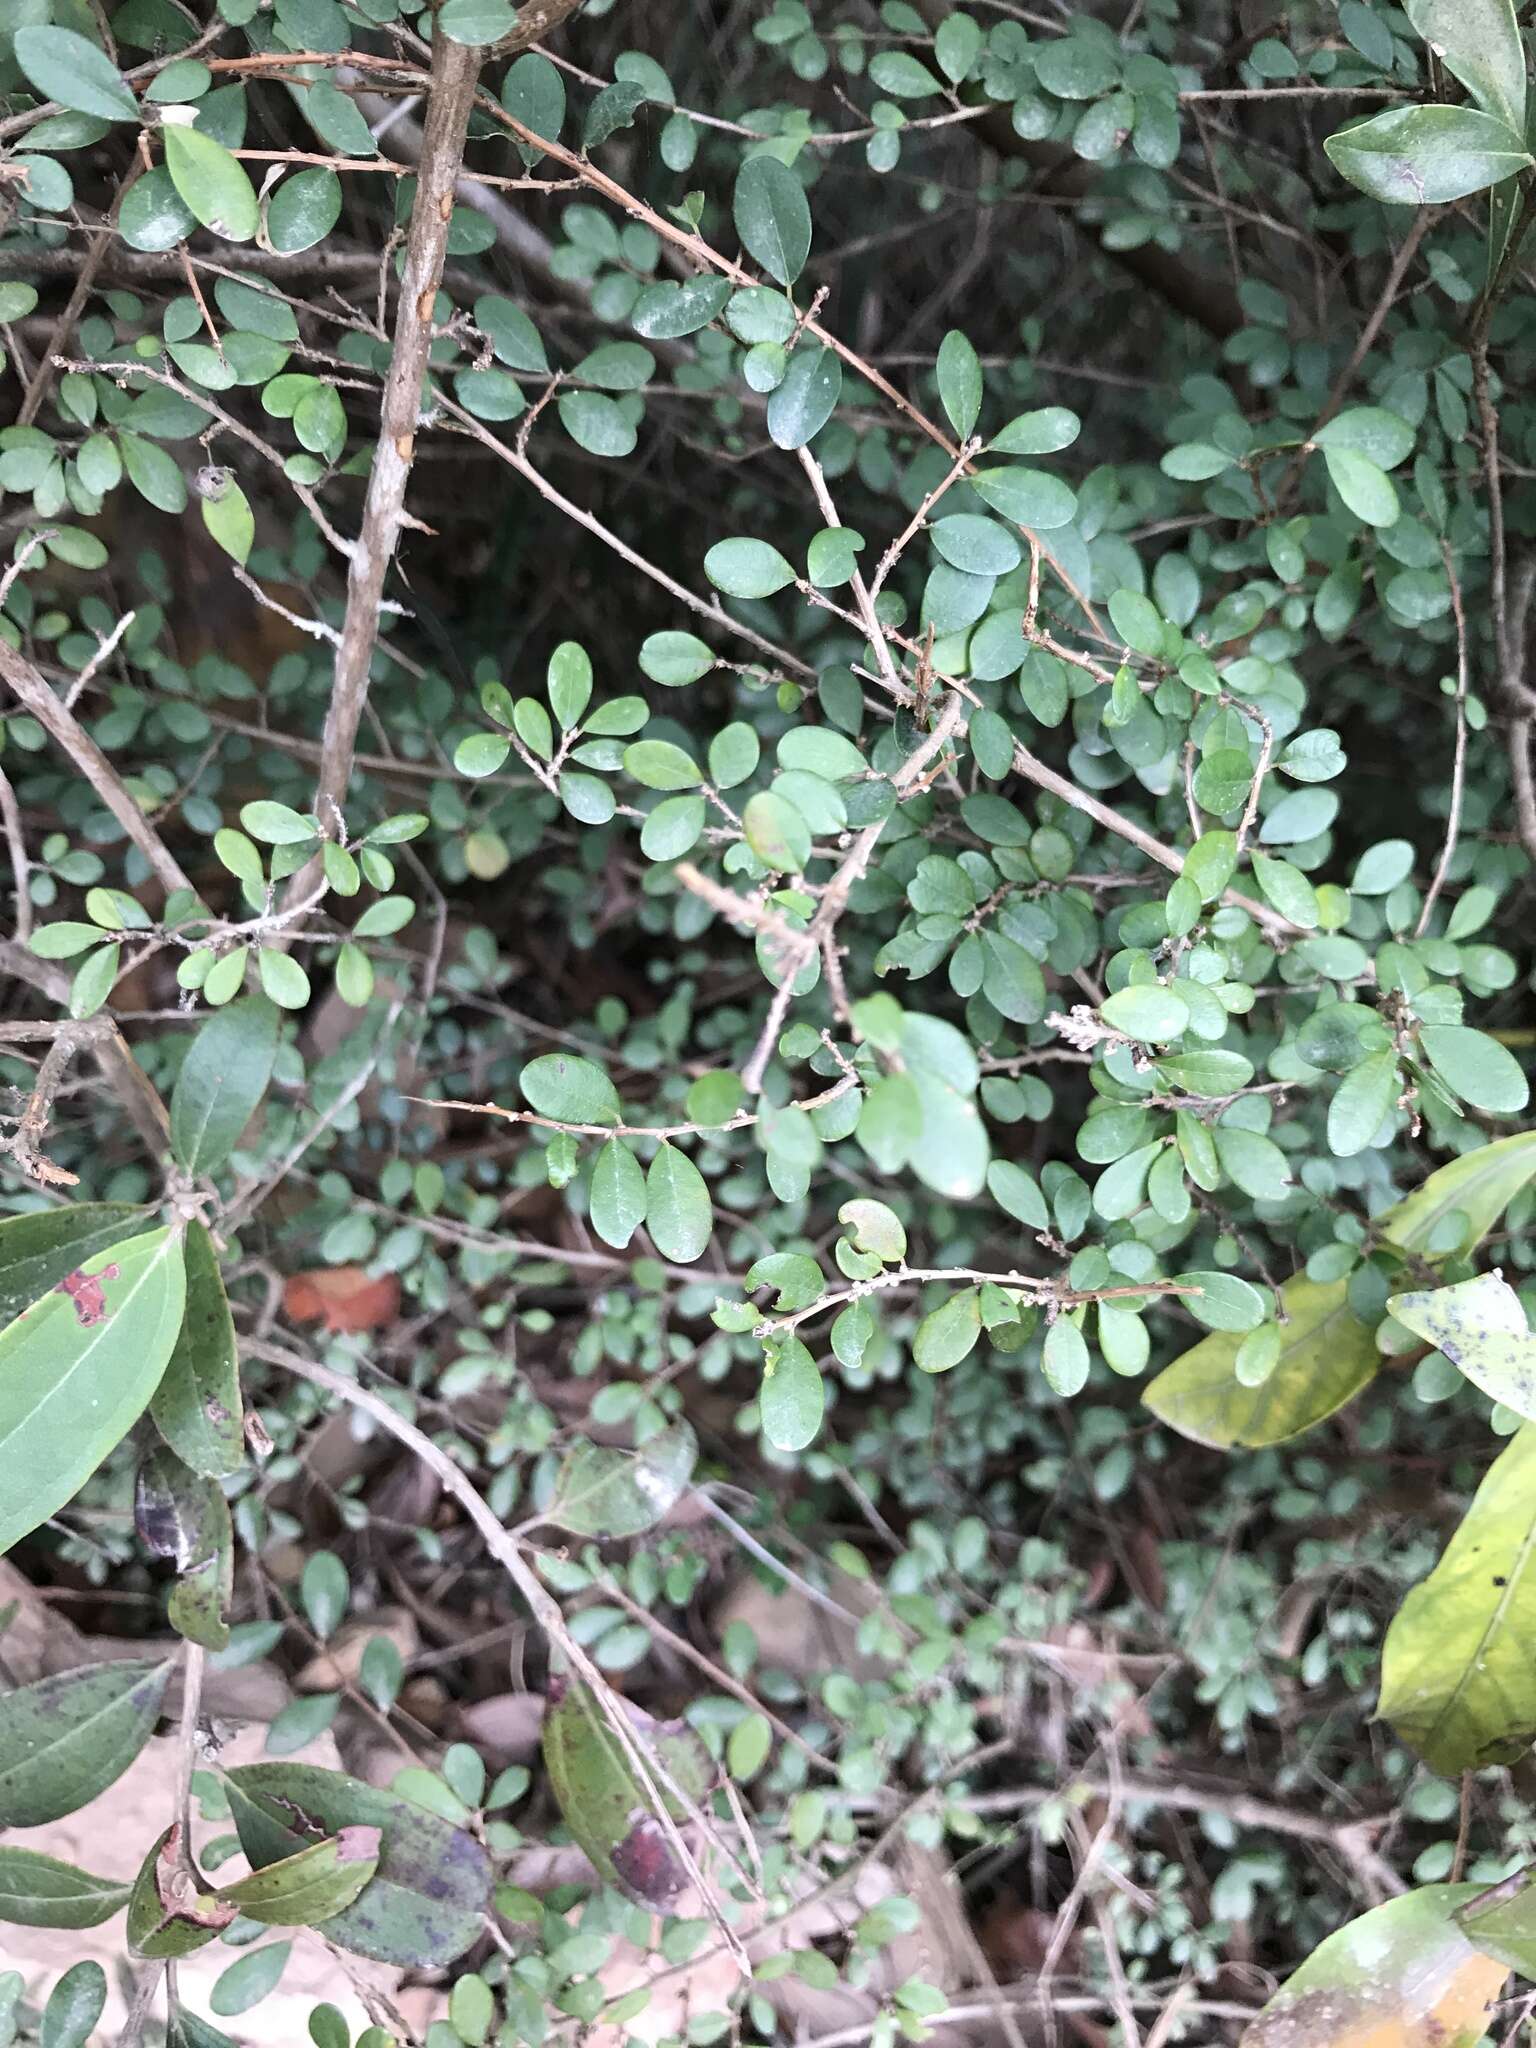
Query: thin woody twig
{"type": "Point", "coordinates": [16, 845]}
{"type": "Point", "coordinates": [512, 1558]}
{"type": "Point", "coordinates": [25, 1143]}
{"type": "Point", "coordinates": [1256, 787]}
{"type": "Point", "coordinates": [834, 898]}
{"type": "Point", "coordinates": [743, 1119]}
{"type": "Point", "coordinates": [139, 1096]}
{"type": "Point", "coordinates": [125, 372]}
{"type": "Point", "coordinates": [863, 597]}
{"type": "Point", "coordinates": [1459, 761]}
{"type": "Point", "coordinates": [98, 660]}
{"type": "Point", "coordinates": [74, 306]}
{"type": "Point", "coordinates": [701, 252]}
{"type": "Point", "coordinates": [60, 723]}
{"type": "Point", "coordinates": [1423, 220]}
{"type": "Point", "coordinates": [450, 100]}
{"type": "Point", "coordinates": [517, 459]}
{"type": "Point", "coordinates": [143, 1998]}
{"type": "Point", "coordinates": [1351, 1839]}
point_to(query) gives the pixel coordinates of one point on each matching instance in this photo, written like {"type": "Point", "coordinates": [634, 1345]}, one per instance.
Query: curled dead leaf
{"type": "Point", "coordinates": [179, 1892]}
{"type": "Point", "coordinates": [344, 1298]}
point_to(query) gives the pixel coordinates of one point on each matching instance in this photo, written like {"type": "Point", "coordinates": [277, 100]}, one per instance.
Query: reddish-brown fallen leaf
{"type": "Point", "coordinates": [341, 1297]}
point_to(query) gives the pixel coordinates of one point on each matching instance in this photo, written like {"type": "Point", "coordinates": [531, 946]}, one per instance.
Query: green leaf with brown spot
{"type": "Point", "coordinates": [606, 1806]}
{"type": "Point", "coordinates": [425, 1906]}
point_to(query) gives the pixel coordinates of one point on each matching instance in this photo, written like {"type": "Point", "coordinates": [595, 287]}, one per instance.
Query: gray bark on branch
{"type": "Point", "coordinates": [455, 70]}
{"type": "Point", "coordinates": [60, 723]}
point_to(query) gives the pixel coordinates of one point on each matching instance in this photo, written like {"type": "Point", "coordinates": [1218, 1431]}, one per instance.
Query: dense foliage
{"type": "Point", "coordinates": [769, 798]}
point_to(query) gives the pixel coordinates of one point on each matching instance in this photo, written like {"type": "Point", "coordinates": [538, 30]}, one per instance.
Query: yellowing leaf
{"type": "Point", "coordinates": [1457, 1679]}
{"type": "Point", "coordinates": [1403, 1976]}
{"type": "Point", "coordinates": [1479, 1184]}
{"type": "Point", "coordinates": [1326, 1356]}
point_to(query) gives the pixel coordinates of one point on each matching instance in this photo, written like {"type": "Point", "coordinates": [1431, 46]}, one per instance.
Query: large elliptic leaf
{"type": "Point", "coordinates": [67, 1738]}
{"type": "Point", "coordinates": [1480, 1185]}
{"type": "Point", "coordinates": [678, 1213]}
{"type": "Point", "coordinates": [36, 1251]}
{"type": "Point", "coordinates": [222, 1081]}
{"type": "Point", "coordinates": [76, 72]}
{"type": "Point", "coordinates": [196, 1406]}
{"type": "Point", "coordinates": [1326, 1356]}
{"type": "Point", "coordinates": [426, 1905]}
{"type": "Point", "coordinates": [1502, 1921]}
{"type": "Point", "coordinates": [772, 216]}
{"type": "Point", "coordinates": [1426, 156]}
{"type": "Point", "coordinates": [39, 1891]}
{"type": "Point", "coordinates": [606, 1807]}
{"type": "Point", "coordinates": [1478, 41]}
{"type": "Point", "coordinates": [77, 1370]}
{"type": "Point", "coordinates": [1458, 1682]}
{"type": "Point", "coordinates": [1403, 1976]}
{"type": "Point", "coordinates": [210, 181]}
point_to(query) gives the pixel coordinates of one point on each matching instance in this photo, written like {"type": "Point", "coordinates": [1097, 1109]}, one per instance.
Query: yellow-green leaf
{"type": "Point", "coordinates": [1327, 1355]}
{"type": "Point", "coordinates": [1403, 1976]}
{"type": "Point", "coordinates": [1458, 1682]}
{"type": "Point", "coordinates": [1480, 1185]}
{"type": "Point", "coordinates": [313, 1886]}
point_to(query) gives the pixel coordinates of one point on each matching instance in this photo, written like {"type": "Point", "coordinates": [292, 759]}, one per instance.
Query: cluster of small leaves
{"type": "Point", "coordinates": [954, 943]}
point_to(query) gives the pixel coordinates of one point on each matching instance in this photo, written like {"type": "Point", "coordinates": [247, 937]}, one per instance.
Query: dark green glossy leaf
{"type": "Point", "coordinates": [74, 71]}
{"type": "Point", "coordinates": [1425, 156]}
{"type": "Point", "coordinates": [197, 1406]}
{"type": "Point", "coordinates": [678, 1213]}
{"type": "Point", "coordinates": [222, 1081]}
{"type": "Point", "coordinates": [772, 217]}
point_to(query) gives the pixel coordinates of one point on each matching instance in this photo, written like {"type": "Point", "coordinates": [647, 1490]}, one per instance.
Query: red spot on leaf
{"type": "Point", "coordinates": [646, 1864]}
{"type": "Point", "coordinates": [342, 1297]}
{"type": "Point", "coordinates": [87, 1293]}
{"type": "Point", "coordinates": [358, 1844]}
